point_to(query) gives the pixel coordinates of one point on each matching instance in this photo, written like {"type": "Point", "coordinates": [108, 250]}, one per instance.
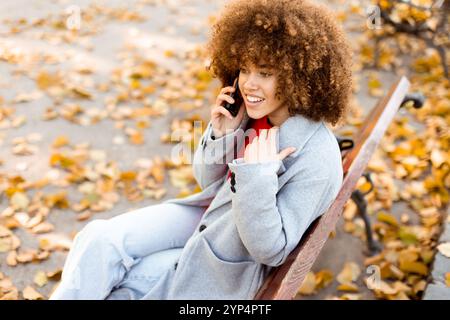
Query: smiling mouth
{"type": "Point", "coordinates": [253, 100]}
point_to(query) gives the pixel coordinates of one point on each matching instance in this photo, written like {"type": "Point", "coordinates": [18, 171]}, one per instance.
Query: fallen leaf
{"type": "Point", "coordinates": [323, 278]}
{"type": "Point", "coordinates": [11, 258]}
{"type": "Point", "coordinates": [60, 141]}
{"type": "Point", "coordinates": [444, 248]}
{"type": "Point", "coordinates": [414, 267]}
{"type": "Point", "coordinates": [54, 275]}
{"type": "Point", "coordinates": [351, 287]}
{"type": "Point", "coordinates": [29, 293]}
{"type": "Point", "coordinates": [19, 200]}
{"type": "Point", "coordinates": [387, 218]}
{"type": "Point", "coordinates": [40, 279]}
{"type": "Point", "coordinates": [54, 241]}
{"type": "Point", "coordinates": [349, 273]}
{"type": "Point", "coordinates": [309, 284]}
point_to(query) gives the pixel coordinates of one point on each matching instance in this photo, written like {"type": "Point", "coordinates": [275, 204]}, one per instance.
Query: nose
{"type": "Point", "coordinates": [250, 83]}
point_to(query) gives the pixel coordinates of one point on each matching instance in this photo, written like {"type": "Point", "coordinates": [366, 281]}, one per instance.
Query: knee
{"type": "Point", "coordinates": [94, 231]}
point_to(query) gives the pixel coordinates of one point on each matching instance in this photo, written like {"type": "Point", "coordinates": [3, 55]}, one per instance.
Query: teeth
{"type": "Point", "coordinates": [254, 99]}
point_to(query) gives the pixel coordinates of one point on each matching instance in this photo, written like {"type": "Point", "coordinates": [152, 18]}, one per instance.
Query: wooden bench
{"type": "Point", "coordinates": [283, 282]}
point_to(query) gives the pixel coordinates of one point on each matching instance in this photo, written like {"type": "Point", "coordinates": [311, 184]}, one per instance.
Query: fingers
{"type": "Point", "coordinates": [263, 147]}
{"type": "Point", "coordinates": [219, 110]}
{"type": "Point", "coordinates": [226, 90]}
{"type": "Point", "coordinates": [286, 152]}
{"type": "Point", "coordinates": [224, 97]}
{"type": "Point", "coordinates": [273, 140]}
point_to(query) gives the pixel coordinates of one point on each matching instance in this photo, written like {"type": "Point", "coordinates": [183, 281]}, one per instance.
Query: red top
{"type": "Point", "coordinates": [257, 125]}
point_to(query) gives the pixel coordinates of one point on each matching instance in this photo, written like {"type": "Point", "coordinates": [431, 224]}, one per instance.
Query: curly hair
{"type": "Point", "coordinates": [299, 39]}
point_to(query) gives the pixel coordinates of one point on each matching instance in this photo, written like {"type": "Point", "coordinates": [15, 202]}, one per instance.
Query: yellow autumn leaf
{"type": "Point", "coordinates": [19, 200]}
{"type": "Point", "coordinates": [46, 80]}
{"type": "Point", "coordinates": [351, 296]}
{"type": "Point", "coordinates": [384, 288]}
{"type": "Point", "coordinates": [81, 92]}
{"type": "Point", "coordinates": [323, 278]}
{"type": "Point", "coordinates": [54, 241]}
{"type": "Point", "coordinates": [29, 293]}
{"type": "Point", "coordinates": [11, 258]}
{"type": "Point", "coordinates": [349, 273]}
{"type": "Point", "coordinates": [309, 284]}
{"type": "Point", "coordinates": [350, 287]}
{"type": "Point", "coordinates": [387, 218]}
{"type": "Point", "coordinates": [60, 141]}
{"type": "Point", "coordinates": [414, 267]}
{"type": "Point", "coordinates": [169, 53]}
{"type": "Point", "coordinates": [128, 176]}
{"type": "Point", "coordinates": [438, 158]}
{"type": "Point", "coordinates": [40, 279]}
{"type": "Point", "coordinates": [137, 138]}
{"type": "Point", "coordinates": [158, 173]}
{"type": "Point", "coordinates": [374, 85]}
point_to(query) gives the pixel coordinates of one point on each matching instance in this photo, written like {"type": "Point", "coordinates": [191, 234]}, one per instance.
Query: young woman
{"type": "Point", "coordinates": [294, 69]}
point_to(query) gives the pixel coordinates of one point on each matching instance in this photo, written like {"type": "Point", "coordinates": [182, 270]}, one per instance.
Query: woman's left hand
{"type": "Point", "coordinates": [264, 148]}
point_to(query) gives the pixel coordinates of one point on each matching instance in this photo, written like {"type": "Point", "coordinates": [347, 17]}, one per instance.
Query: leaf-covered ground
{"type": "Point", "coordinates": [92, 106]}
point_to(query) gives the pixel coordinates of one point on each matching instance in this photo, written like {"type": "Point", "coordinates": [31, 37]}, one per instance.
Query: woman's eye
{"type": "Point", "coordinates": [266, 74]}
{"type": "Point", "coordinates": [243, 70]}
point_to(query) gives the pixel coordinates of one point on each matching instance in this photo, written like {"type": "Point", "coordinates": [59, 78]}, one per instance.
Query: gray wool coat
{"type": "Point", "coordinates": [253, 225]}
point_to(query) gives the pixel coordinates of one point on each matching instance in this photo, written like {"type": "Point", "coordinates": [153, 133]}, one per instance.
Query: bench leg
{"type": "Point", "coordinates": [374, 246]}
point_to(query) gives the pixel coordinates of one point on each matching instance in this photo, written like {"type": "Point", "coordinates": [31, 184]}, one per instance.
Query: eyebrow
{"type": "Point", "coordinates": [264, 66]}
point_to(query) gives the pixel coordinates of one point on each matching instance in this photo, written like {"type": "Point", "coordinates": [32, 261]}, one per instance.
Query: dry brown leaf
{"type": "Point", "coordinates": [351, 287]}
{"type": "Point", "coordinates": [323, 278]}
{"type": "Point", "coordinates": [11, 258]}
{"type": "Point", "coordinates": [26, 255]}
{"type": "Point", "coordinates": [43, 227]}
{"type": "Point", "coordinates": [19, 201]}
{"type": "Point", "coordinates": [29, 293]}
{"type": "Point", "coordinates": [60, 141]}
{"type": "Point", "coordinates": [351, 296]}
{"type": "Point", "coordinates": [388, 218]}
{"type": "Point", "coordinates": [54, 275]}
{"type": "Point", "coordinates": [40, 279]}
{"type": "Point", "coordinates": [309, 284]}
{"type": "Point", "coordinates": [349, 273]}
{"type": "Point", "coordinates": [84, 215]}
{"type": "Point", "coordinates": [444, 248]}
{"type": "Point", "coordinates": [414, 267]}
{"type": "Point", "coordinates": [54, 241]}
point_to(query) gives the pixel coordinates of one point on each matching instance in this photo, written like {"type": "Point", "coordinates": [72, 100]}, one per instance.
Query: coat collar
{"type": "Point", "coordinates": [295, 131]}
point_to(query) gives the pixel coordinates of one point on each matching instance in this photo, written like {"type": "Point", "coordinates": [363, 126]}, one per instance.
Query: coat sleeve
{"type": "Point", "coordinates": [212, 155]}
{"type": "Point", "coordinates": [272, 223]}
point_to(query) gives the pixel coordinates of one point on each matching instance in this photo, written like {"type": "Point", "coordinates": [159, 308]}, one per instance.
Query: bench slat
{"type": "Point", "coordinates": [284, 281]}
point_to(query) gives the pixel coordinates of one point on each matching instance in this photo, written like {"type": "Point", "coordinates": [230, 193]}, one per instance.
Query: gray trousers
{"type": "Point", "coordinates": [123, 257]}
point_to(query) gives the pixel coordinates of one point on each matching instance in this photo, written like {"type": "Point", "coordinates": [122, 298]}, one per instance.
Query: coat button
{"type": "Point", "coordinates": [202, 227]}
{"type": "Point", "coordinates": [175, 266]}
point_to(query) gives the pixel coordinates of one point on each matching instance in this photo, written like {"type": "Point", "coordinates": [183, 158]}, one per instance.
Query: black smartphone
{"type": "Point", "coordinates": [236, 95]}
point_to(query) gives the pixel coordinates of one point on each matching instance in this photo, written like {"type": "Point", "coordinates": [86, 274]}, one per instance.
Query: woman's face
{"type": "Point", "coordinates": [258, 86]}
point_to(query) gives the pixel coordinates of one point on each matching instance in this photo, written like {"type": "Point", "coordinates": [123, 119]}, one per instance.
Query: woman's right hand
{"type": "Point", "coordinates": [221, 119]}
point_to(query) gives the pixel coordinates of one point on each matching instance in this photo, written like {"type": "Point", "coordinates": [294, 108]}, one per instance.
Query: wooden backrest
{"type": "Point", "coordinates": [283, 282]}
